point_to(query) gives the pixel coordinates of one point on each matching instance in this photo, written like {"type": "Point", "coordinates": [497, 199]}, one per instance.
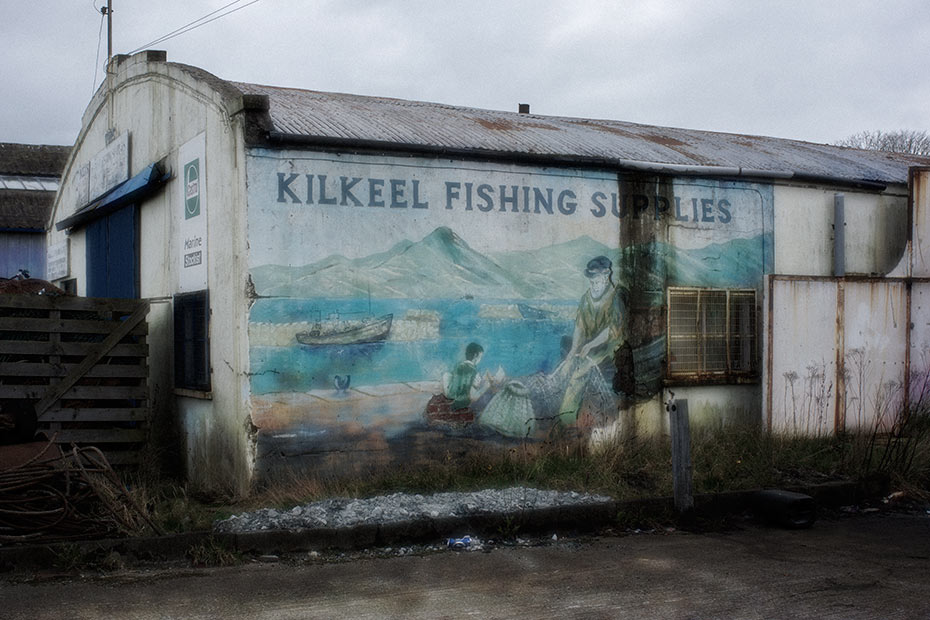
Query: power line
{"type": "Point", "coordinates": [97, 59]}
{"type": "Point", "coordinates": [197, 23]}
{"type": "Point", "coordinates": [179, 30]}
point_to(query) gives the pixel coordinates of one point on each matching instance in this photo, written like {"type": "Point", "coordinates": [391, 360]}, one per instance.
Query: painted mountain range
{"type": "Point", "coordinates": [443, 265]}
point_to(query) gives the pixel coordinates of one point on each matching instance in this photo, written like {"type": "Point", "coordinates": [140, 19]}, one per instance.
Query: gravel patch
{"type": "Point", "coordinates": [399, 507]}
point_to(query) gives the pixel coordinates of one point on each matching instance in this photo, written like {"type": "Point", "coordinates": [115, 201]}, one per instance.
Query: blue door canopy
{"type": "Point", "coordinates": [128, 192]}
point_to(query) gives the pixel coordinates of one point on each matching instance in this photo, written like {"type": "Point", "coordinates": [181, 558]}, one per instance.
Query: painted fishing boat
{"type": "Point", "coordinates": [352, 331]}
{"type": "Point", "coordinates": [535, 314]}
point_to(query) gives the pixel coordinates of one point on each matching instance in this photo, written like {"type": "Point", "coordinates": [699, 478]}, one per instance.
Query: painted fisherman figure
{"type": "Point", "coordinates": [598, 327]}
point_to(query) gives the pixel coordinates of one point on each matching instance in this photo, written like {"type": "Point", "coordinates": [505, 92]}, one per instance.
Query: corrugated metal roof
{"type": "Point", "coordinates": [33, 159]}
{"type": "Point", "coordinates": [24, 209]}
{"type": "Point", "coordinates": [336, 116]}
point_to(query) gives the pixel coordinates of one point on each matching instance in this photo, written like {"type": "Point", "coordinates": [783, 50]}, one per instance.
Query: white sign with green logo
{"type": "Point", "coordinates": [193, 222]}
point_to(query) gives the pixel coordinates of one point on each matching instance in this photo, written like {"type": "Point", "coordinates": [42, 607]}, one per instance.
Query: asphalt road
{"type": "Point", "coordinates": [867, 566]}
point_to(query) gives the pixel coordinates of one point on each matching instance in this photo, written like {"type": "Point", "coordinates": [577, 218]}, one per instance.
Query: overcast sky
{"type": "Point", "coordinates": [815, 70]}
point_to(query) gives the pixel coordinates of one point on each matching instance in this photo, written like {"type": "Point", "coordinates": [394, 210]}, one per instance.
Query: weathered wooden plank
{"type": "Point", "coordinates": [121, 457]}
{"type": "Point", "coordinates": [46, 302]}
{"type": "Point", "coordinates": [64, 326]}
{"type": "Point", "coordinates": [109, 342]}
{"type": "Point", "coordinates": [97, 414]}
{"type": "Point", "coordinates": [25, 347]}
{"type": "Point", "coordinates": [77, 392]}
{"type": "Point", "coordinates": [100, 435]}
{"type": "Point", "coordinates": [26, 369]}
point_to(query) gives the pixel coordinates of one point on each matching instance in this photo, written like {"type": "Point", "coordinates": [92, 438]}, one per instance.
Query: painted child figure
{"type": "Point", "coordinates": [464, 384]}
{"type": "Point", "coordinates": [460, 388]}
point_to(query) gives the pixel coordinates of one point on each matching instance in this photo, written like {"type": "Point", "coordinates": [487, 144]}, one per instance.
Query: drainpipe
{"type": "Point", "coordinates": [839, 236]}
{"type": "Point", "coordinates": [839, 271]}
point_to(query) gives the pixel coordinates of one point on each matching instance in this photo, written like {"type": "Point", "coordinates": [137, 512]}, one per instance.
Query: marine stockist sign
{"type": "Point", "coordinates": [193, 222]}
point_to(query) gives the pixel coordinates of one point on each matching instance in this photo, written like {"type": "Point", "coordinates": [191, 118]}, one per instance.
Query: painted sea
{"type": "Point", "coordinates": [521, 343]}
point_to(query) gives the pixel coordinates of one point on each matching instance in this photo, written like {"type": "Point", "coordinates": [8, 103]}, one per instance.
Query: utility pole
{"type": "Point", "coordinates": [108, 11]}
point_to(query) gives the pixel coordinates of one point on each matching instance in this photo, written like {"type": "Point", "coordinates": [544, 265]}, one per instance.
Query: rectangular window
{"type": "Point", "coordinates": [711, 333]}
{"type": "Point", "coordinates": [192, 341]}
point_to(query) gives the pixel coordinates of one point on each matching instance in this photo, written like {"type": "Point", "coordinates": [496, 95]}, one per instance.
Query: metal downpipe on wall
{"type": "Point", "coordinates": [839, 235]}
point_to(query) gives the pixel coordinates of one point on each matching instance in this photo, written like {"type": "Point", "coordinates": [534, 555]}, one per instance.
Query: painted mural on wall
{"type": "Point", "coordinates": [394, 295]}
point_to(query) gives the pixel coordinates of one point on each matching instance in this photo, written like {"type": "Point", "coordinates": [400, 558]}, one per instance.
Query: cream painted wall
{"type": "Point", "coordinates": [163, 106]}
{"type": "Point", "coordinates": [876, 230]}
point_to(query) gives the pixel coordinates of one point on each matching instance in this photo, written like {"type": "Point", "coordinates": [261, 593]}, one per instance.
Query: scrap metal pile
{"type": "Point", "coordinates": [47, 494]}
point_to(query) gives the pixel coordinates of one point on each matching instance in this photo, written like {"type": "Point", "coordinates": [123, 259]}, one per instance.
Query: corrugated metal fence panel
{"type": "Point", "coordinates": [22, 251]}
{"type": "Point", "coordinates": [803, 356]}
{"type": "Point", "coordinates": [875, 337]}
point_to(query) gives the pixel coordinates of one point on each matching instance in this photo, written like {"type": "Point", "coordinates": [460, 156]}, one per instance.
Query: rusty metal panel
{"type": "Point", "coordinates": [875, 337]}
{"type": "Point", "coordinates": [864, 341]}
{"type": "Point", "coordinates": [803, 355]}
{"type": "Point", "coordinates": [920, 231]}
{"type": "Point", "coordinates": [920, 345]}
{"type": "Point", "coordinates": [304, 113]}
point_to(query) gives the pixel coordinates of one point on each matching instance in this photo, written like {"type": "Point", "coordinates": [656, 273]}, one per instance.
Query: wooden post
{"type": "Point", "coordinates": [680, 431]}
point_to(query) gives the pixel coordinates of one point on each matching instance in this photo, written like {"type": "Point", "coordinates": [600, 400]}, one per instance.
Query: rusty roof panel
{"type": "Point", "coordinates": [313, 114]}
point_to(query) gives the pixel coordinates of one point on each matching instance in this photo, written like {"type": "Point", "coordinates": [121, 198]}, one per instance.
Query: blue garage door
{"type": "Point", "coordinates": [112, 256]}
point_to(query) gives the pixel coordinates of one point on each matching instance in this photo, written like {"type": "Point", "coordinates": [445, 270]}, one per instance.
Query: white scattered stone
{"type": "Point", "coordinates": [402, 507]}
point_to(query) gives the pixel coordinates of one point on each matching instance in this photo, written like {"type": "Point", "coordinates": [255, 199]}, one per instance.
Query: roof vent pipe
{"type": "Point", "coordinates": [523, 108]}
{"type": "Point", "coordinates": [839, 236]}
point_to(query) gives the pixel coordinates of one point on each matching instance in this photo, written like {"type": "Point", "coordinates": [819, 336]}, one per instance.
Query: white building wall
{"type": "Point", "coordinates": [875, 339]}
{"type": "Point", "coordinates": [876, 230]}
{"type": "Point", "coordinates": [162, 106]}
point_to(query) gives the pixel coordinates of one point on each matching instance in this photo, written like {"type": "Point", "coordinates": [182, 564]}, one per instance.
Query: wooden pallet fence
{"type": "Point", "coordinates": [82, 363]}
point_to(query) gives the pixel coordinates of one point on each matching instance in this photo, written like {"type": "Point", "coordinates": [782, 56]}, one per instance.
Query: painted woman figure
{"type": "Point", "coordinates": [598, 332]}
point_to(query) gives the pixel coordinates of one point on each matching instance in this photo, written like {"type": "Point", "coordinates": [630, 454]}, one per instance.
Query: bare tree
{"type": "Point", "coordinates": [908, 141]}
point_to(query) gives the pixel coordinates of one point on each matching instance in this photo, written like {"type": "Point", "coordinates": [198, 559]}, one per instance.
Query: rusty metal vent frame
{"type": "Point", "coordinates": [712, 334]}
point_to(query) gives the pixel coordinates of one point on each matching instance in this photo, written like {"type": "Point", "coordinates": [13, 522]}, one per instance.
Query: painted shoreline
{"type": "Point", "coordinates": [369, 407]}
